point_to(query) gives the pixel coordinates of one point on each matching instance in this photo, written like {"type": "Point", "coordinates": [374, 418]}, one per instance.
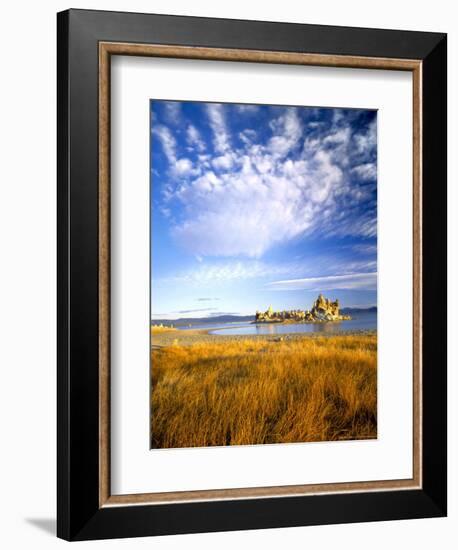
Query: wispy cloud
{"type": "Point", "coordinates": [367, 171]}
{"type": "Point", "coordinates": [200, 310]}
{"type": "Point", "coordinates": [366, 141]}
{"type": "Point", "coordinates": [234, 270]}
{"type": "Point", "coordinates": [247, 109]}
{"type": "Point", "coordinates": [352, 281]}
{"type": "Point", "coordinates": [172, 111]}
{"type": "Point", "coordinates": [178, 166]}
{"type": "Point", "coordinates": [215, 112]}
{"type": "Point", "coordinates": [194, 139]}
{"type": "Point", "coordinates": [219, 313]}
{"type": "Point", "coordinates": [167, 141]}
{"type": "Point", "coordinates": [287, 130]}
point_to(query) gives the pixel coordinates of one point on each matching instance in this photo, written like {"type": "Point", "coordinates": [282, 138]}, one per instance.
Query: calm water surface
{"type": "Point", "coordinates": [213, 326]}
{"type": "Point", "coordinates": [363, 321]}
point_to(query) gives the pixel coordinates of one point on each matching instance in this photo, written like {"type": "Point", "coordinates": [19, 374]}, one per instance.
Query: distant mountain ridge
{"type": "Point", "coordinates": [240, 318]}
{"type": "Point", "coordinates": [203, 320]}
{"type": "Point", "coordinates": [350, 310]}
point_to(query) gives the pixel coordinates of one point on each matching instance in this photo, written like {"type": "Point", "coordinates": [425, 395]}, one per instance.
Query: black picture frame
{"type": "Point", "coordinates": [80, 516]}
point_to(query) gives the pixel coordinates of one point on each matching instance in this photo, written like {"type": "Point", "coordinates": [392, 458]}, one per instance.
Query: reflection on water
{"type": "Point", "coordinates": [364, 321]}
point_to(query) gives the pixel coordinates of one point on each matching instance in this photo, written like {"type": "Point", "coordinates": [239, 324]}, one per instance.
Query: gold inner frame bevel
{"type": "Point", "coordinates": [106, 50]}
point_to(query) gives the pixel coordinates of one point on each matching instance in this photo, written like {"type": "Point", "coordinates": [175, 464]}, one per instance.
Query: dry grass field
{"type": "Point", "coordinates": [252, 391]}
{"type": "Point", "coordinates": [159, 329]}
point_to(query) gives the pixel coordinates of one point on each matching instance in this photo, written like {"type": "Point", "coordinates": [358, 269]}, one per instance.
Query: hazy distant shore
{"type": "Point", "coordinates": [191, 321]}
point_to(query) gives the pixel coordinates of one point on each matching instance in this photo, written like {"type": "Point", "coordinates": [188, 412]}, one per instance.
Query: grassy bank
{"type": "Point", "coordinates": [250, 391]}
{"type": "Point", "coordinates": [160, 329]}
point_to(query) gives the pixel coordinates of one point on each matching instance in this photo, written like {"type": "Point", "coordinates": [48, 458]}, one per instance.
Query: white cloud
{"type": "Point", "coordinates": [352, 281]}
{"type": "Point", "coordinates": [247, 109]}
{"type": "Point", "coordinates": [315, 124]}
{"type": "Point", "coordinates": [183, 167]}
{"type": "Point", "coordinates": [366, 142]}
{"type": "Point", "coordinates": [367, 171]}
{"type": "Point", "coordinates": [194, 138]}
{"type": "Point", "coordinates": [342, 135]}
{"type": "Point", "coordinates": [287, 131]}
{"type": "Point", "coordinates": [258, 200]}
{"type": "Point", "coordinates": [311, 144]}
{"type": "Point", "coordinates": [248, 136]}
{"type": "Point", "coordinates": [245, 212]}
{"type": "Point", "coordinates": [167, 141]}
{"type": "Point", "coordinates": [363, 248]}
{"type": "Point", "coordinates": [177, 166]}
{"type": "Point", "coordinates": [224, 162]}
{"type": "Point", "coordinates": [204, 161]}
{"type": "Point", "coordinates": [329, 177]}
{"type": "Point", "coordinates": [197, 310]}
{"type": "Point", "coordinates": [215, 112]}
{"type": "Point", "coordinates": [166, 212]}
{"type": "Point", "coordinates": [172, 111]}
{"type": "Point", "coordinates": [244, 201]}
{"type": "Point", "coordinates": [233, 270]}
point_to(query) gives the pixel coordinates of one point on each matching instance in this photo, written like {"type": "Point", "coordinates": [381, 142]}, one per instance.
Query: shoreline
{"type": "Point", "coordinates": [300, 322]}
{"type": "Point", "coordinates": [188, 337]}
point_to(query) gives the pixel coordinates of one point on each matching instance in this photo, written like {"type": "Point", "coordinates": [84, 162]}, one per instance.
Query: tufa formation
{"type": "Point", "coordinates": [322, 310]}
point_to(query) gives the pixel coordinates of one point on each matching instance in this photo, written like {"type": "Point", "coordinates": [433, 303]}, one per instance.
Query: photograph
{"type": "Point", "coordinates": [251, 250]}
{"type": "Point", "coordinates": [263, 274]}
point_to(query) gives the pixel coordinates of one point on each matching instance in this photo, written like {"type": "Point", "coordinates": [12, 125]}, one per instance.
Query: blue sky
{"type": "Point", "coordinates": [258, 205]}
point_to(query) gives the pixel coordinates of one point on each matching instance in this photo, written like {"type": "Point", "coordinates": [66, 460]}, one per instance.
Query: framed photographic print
{"type": "Point", "coordinates": [252, 274]}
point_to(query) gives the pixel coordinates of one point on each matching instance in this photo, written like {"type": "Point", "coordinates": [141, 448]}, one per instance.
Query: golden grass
{"type": "Point", "coordinates": [159, 329]}
{"type": "Point", "coordinates": [258, 391]}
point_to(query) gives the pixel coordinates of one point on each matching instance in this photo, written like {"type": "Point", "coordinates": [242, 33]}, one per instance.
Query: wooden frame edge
{"type": "Point", "coordinates": [106, 49]}
{"type": "Point", "coordinates": [417, 353]}
{"type": "Point", "coordinates": [104, 276]}
{"type": "Point", "coordinates": [257, 56]}
{"type": "Point", "coordinates": [283, 491]}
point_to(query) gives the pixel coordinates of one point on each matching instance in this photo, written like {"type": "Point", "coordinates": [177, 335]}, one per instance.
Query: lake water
{"type": "Point", "coordinates": [212, 326]}
{"type": "Point", "coordinates": [362, 321]}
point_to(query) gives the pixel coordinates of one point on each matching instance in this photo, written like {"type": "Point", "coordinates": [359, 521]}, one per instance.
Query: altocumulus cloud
{"type": "Point", "coordinates": [244, 179]}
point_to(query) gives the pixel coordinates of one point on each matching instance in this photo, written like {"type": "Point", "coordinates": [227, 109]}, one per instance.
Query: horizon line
{"type": "Point", "coordinates": [163, 316]}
